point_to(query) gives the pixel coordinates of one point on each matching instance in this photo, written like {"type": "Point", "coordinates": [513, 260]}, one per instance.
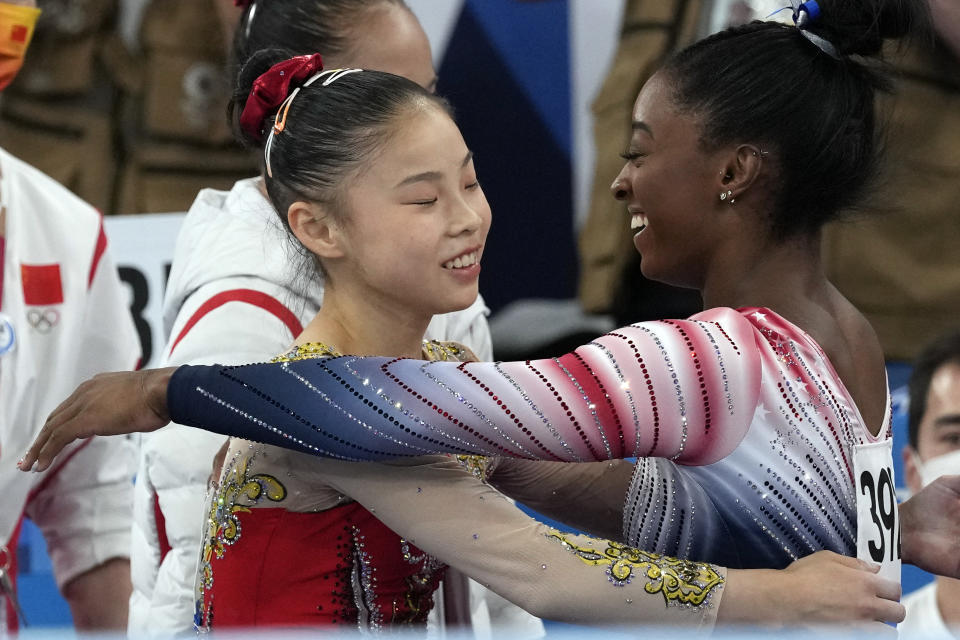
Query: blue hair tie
{"type": "Point", "coordinates": [804, 15]}
{"type": "Point", "coordinates": [812, 8]}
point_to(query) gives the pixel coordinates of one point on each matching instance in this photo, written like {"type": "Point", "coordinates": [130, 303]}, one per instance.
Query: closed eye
{"type": "Point", "coordinates": [473, 185]}
{"type": "Point", "coordinates": [633, 156]}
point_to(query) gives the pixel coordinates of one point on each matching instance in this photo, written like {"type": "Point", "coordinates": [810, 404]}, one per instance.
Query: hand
{"type": "Point", "coordinates": [109, 404]}
{"type": "Point", "coordinates": [824, 588]}
{"type": "Point", "coordinates": [930, 527]}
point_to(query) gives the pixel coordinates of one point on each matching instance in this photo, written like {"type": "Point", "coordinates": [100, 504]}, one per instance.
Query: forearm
{"type": "Point", "coordinates": [586, 496]}
{"type": "Point", "coordinates": [99, 597]}
{"type": "Point", "coordinates": [446, 512]}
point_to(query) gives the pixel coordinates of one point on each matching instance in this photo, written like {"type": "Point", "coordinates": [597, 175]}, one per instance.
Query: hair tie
{"type": "Point", "coordinates": [272, 88]}
{"type": "Point", "coordinates": [242, 3]}
{"type": "Point", "coordinates": [806, 14]}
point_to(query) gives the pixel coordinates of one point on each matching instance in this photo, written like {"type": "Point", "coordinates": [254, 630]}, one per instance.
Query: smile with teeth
{"type": "Point", "coordinates": [461, 262]}
{"type": "Point", "coordinates": [638, 221]}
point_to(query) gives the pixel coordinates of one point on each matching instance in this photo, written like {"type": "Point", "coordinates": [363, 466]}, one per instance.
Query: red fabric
{"type": "Point", "coordinates": [13, 623]}
{"type": "Point", "coordinates": [298, 569]}
{"type": "Point", "coordinates": [42, 285]}
{"type": "Point", "coordinates": [97, 254]}
{"type": "Point", "coordinates": [272, 88]}
{"type": "Point", "coordinates": [18, 33]}
{"type": "Point", "coordinates": [161, 523]}
{"type": "Point", "coordinates": [248, 296]}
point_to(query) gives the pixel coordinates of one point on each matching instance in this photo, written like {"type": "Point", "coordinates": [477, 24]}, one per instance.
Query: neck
{"type": "Point", "coordinates": [365, 326]}
{"type": "Point", "coordinates": [948, 600]}
{"type": "Point", "coordinates": [784, 276]}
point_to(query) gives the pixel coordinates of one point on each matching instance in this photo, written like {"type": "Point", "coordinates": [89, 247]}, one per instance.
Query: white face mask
{"type": "Point", "coordinates": [946, 465]}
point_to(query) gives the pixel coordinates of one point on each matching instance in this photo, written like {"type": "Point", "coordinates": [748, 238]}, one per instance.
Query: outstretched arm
{"type": "Point", "coordinates": [587, 580]}
{"type": "Point", "coordinates": [684, 390]}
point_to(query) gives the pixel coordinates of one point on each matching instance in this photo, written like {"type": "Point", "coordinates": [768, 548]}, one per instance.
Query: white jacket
{"type": "Point", "coordinates": [63, 318]}
{"type": "Point", "coordinates": [232, 297]}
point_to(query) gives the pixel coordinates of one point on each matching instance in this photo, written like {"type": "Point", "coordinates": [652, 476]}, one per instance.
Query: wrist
{"type": "Point", "coordinates": [750, 597]}
{"type": "Point", "coordinates": [155, 382]}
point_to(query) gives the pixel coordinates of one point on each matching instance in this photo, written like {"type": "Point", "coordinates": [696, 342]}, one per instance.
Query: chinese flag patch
{"type": "Point", "coordinates": [41, 284]}
{"type": "Point", "coordinates": [18, 33]}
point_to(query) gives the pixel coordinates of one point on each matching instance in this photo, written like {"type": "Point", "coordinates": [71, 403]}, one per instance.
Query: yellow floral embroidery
{"type": "Point", "coordinates": [680, 581]}
{"type": "Point", "coordinates": [481, 467]}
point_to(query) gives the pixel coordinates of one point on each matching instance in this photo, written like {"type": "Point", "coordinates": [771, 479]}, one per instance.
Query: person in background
{"type": "Point", "coordinates": [934, 451]}
{"type": "Point", "coordinates": [236, 293]}
{"type": "Point", "coordinates": [63, 317]}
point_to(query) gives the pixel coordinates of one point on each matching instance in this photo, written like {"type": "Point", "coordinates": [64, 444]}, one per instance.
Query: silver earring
{"type": "Point", "coordinates": [725, 195]}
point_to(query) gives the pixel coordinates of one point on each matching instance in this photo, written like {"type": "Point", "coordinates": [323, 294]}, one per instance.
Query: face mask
{"type": "Point", "coordinates": [946, 465]}
{"type": "Point", "coordinates": [16, 30]}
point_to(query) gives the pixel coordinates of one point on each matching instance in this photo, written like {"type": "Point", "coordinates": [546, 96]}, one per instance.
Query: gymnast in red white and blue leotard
{"type": "Point", "coordinates": [744, 433]}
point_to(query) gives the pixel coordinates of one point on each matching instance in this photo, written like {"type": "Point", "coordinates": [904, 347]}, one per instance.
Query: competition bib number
{"type": "Point", "coordinates": [878, 518]}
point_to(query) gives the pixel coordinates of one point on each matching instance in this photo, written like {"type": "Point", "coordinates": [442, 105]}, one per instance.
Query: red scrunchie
{"type": "Point", "coordinates": [242, 3]}
{"type": "Point", "coordinates": [272, 88]}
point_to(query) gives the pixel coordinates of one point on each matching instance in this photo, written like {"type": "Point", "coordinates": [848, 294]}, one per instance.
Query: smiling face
{"type": "Point", "coordinates": [415, 220]}
{"type": "Point", "coordinates": [670, 186]}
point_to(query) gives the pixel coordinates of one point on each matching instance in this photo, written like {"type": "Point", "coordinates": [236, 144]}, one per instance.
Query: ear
{"type": "Point", "coordinates": [914, 481]}
{"type": "Point", "coordinates": [316, 229]}
{"type": "Point", "coordinates": [740, 171]}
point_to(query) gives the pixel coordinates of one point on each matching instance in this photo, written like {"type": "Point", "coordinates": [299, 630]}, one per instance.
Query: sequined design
{"type": "Point", "coordinates": [363, 573]}
{"type": "Point", "coordinates": [746, 429]}
{"type": "Point", "coordinates": [238, 491]}
{"type": "Point", "coordinates": [480, 467]}
{"type": "Point", "coordinates": [680, 582]}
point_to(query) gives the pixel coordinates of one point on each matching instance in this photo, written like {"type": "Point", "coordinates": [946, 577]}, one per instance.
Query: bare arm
{"type": "Point", "coordinates": [587, 496]}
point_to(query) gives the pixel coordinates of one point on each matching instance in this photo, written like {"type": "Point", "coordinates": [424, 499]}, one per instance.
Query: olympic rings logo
{"type": "Point", "coordinates": [43, 320]}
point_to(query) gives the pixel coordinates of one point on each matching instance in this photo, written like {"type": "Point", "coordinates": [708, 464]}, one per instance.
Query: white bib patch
{"type": "Point", "coordinates": [878, 518]}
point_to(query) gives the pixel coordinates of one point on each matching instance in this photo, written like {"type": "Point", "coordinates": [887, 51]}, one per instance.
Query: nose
{"type": "Point", "coordinates": [467, 217]}
{"type": "Point", "coordinates": [620, 187]}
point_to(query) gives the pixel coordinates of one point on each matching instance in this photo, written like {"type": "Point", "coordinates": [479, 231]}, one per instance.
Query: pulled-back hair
{"type": "Point", "coordinates": [330, 131]}
{"type": "Point", "coordinates": [300, 27]}
{"type": "Point", "coordinates": [765, 83]}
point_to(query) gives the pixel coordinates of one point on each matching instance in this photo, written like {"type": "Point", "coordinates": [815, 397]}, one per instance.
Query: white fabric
{"type": "Point", "coordinates": [923, 615]}
{"type": "Point", "coordinates": [82, 504]}
{"type": "Point", "coordinates": [229, 240]}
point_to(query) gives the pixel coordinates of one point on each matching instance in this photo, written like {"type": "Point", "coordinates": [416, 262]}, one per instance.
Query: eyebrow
{"type": "Point", "coordinates": [640, 125]}
{"type": "Point", "coordinates": [948, 420]}
{"type": "Point", "coordinates": [428, 176]}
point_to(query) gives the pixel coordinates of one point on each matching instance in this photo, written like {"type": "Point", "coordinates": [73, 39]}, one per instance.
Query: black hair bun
{"type": "Point", "coordinates": [859, 27]}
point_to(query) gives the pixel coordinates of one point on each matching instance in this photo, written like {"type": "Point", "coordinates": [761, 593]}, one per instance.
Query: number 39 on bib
{"type": "Point", "coordinates": [878, 518]}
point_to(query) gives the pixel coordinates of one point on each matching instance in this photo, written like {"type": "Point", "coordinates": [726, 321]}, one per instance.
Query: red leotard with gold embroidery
{"type": "Point", "coordinates": [283, 548]}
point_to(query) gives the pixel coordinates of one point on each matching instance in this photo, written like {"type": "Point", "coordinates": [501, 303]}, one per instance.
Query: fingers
{"type": "Point", "coordinates": [888, 589]}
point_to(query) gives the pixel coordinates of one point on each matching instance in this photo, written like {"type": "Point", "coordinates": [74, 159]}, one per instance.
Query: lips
{"type": "Point", "coordinates": [464, 260]}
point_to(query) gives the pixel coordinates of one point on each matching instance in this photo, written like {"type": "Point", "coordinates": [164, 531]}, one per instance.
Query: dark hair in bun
{"type": "Point", "coordinates": [329, 130]}
{"type": "Point", "coordinates": [766, 83]}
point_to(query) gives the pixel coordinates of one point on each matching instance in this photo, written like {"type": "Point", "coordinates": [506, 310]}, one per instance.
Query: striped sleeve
{"type": "Point", "coordinates": [684, 390]}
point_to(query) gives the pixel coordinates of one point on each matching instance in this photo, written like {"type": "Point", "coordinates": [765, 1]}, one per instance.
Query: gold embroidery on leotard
{"type": "Point", "coordinates": [679, 581]}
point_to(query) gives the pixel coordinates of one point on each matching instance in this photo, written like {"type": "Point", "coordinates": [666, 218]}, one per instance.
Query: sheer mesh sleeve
{"type": "Point", "coordinates": [684, 390]}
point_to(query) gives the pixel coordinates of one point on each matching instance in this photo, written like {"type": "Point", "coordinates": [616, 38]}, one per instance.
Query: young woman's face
{"type": "Point", "coordinates": [668, 184]}
{"type": "Point", "coordinates": [416, 219]}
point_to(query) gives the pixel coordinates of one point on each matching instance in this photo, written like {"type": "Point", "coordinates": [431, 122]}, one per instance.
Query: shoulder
{"type": "Point", "coordinates": [50, 203]}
